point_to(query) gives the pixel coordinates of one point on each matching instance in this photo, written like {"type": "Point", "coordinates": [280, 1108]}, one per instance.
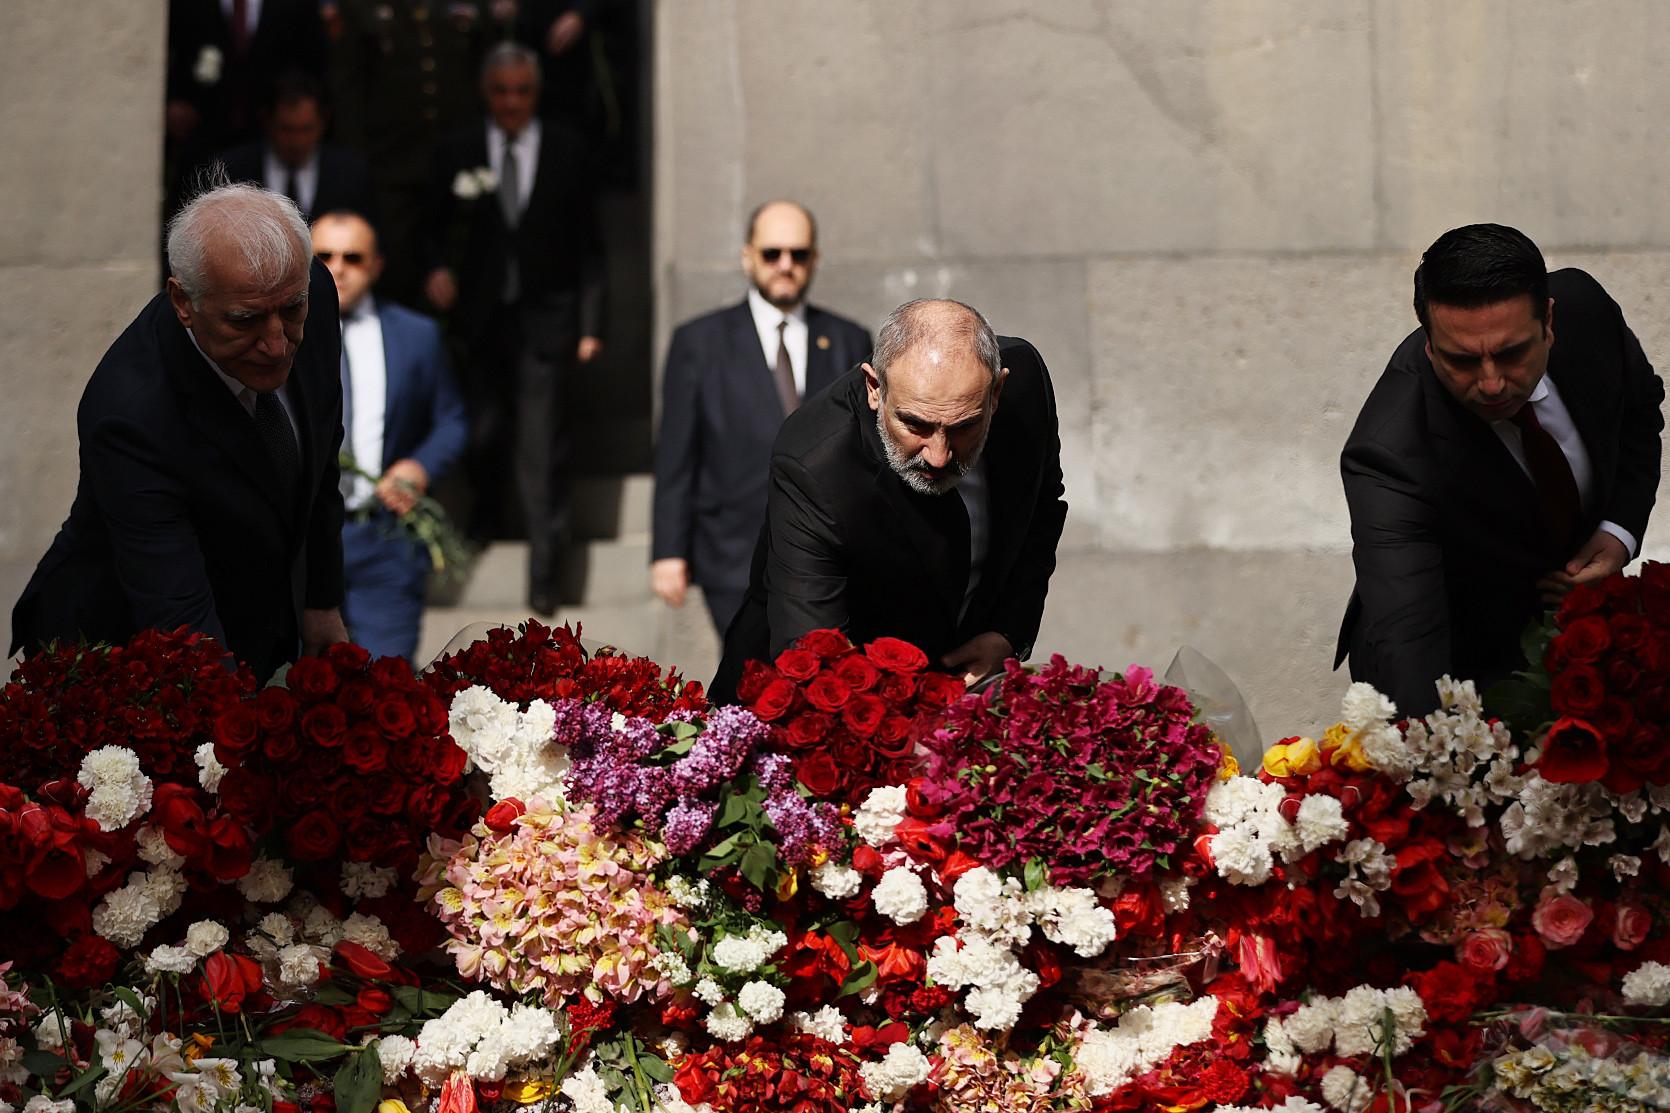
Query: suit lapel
{"type": "Point", "coordinates": [1483, 477]}
{"type": "Point", "coordinates": [821, 365]}
{"type": "Point", "coordinates": [394, 384]}
{"type": "Point", "coordinates": [744, 340]}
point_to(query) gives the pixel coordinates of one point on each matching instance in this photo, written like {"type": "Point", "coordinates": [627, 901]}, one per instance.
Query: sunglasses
{"type": "Point", "coordinates": [352, 258]}
{"type": "Point", "coordinates": [798, 254]}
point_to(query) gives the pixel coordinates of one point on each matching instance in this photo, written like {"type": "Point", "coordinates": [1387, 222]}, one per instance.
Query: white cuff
{"type": "Point", "coordinates": [1623, 535]}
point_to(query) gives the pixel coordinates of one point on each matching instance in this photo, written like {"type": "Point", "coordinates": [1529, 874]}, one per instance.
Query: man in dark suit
{"type": "Point", "coordinates": [526, 297]}
{"type": "Point", "coordinates": [294, 160]}
{"type": "Point", "coordinates": [208, 435]}
{"type": "Point", "coordinates": [403, 420]}
{"type": "Point", "coordinates": [730, 379]}
{"type": "Point", "coordinates": [224, 57]}
{"type": "Point", "coordinates": [1491, 469]}
{"type": "Point", "coordinates": [906, 501]}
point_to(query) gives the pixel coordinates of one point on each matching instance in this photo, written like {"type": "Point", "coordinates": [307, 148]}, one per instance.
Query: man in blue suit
{"type": "Point", "coordinates": [403, 420]}
{"type": "Point", "coordinates": [731, 378]}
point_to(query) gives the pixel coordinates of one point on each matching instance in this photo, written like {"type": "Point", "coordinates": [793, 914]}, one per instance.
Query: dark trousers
{"type": "Point", "coordinates": [519, 437]}
{"type": "Point", "coordinates": [384, 577]}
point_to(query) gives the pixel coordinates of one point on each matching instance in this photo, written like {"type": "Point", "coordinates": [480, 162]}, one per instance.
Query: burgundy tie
{"type": "Point", "coordinates": [239, 20]}
{"type": "Point", "coordinates": [1552, 473]}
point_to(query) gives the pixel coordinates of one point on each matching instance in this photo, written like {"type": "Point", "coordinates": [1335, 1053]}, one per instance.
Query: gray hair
{"type": "Point", "coordinates": [508, 53]}
{"type": "Point", "coordinates": [916, 322]}
{"type": "Point", "coordinates": [265, 228]}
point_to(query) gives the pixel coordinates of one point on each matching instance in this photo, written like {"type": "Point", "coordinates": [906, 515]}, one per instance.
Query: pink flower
{"type": "Point", "coordinates": [1631, 926]}
{"type": "Point", "coordinates": [1561, 920]}
{"type": "Point", "coordinates": [1485, 950]}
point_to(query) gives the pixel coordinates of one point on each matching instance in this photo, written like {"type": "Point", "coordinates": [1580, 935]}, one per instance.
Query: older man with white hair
{"type": "Point", "coordinates": [209, 434]}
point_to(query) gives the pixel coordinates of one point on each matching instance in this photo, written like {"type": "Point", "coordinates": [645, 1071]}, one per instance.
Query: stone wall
{"type": "Point", "coordinates": [80, 184]}
{"type": "Point", "coordinates": [1204, 214]}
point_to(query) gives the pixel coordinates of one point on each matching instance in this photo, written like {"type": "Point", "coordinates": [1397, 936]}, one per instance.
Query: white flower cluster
{"type": "Point", "coordinates": [1252, 831]}
{"type": "Point", "coordinates": [1548, 818]}
{"type": "Point", "coordinates": [687, 894]}
{"type": "Point", "coordinates": [588, 1093]}
{"type": "Point", "coordinates": [154, 850]}
{"type": "Point", "coordinates": [902, 1068]}
{"type": "Point", "coordinates": [209, 769]}
{"type": "Point", "coordinates": [124, 915]}
{"type": "Point", "coordinates": [744, 954]}
{"type": "Point", "coordinates": [119, 791]}
{"type": "Point", "coordinates": [728, 1023]}
{"type": "Point", "coordinates": [467, 185]}
{"type": "Point", "coordinates": [362, 879]}
{"type": "Point", "coordinates": [1294, 1104]}
{"type": "Point", "coordinates": [998, 985]}
{"type": "Point", "coordinates": [671, 965]}
{"type": "Point", "coordinates": [993, 907]}
{"type": "Point", "coordinates": [1074, 918]}
{"type": "Point", "coordinates": [826, 1024]}
{"type": "Point", "coordinates": [1648, 985]}
{"type": "Point", "coordinates": [1143, 1038]}
{"type": "Point", "coordinates": [1368, 715]}
{"type": "Point", "coordinates": [837, 881]}
{"type": "Point", "coordinates": [267, 882]}
{"type": "Point", "coordinates": [1345, 1090]}
{"type": "Point", "coordinates": [513, 747]}
{"type": "Point", "coordinates": [1368, 870]}
{"type": "Point", "coordinates": [1465, 762]}
{"type": "Point", "coordinates": [206, 1084]}
{"type": "Point", "coordinates": [1356, 1024]}
{"type": "Point", "coordinates": [478, 1035]}
{"type": "Point", "coordinates": [1280, 1056]}
{"type": "Point", "coordinates": [880, 813]}
{"type": "Point", "coordinates": [900, 895]}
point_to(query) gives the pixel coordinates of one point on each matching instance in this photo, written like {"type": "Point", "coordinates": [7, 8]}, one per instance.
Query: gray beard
{"type": "Point", "coordinates": [908, 468]}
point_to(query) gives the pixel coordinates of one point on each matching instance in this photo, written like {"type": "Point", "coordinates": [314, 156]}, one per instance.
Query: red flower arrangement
{"type": "Point", "coordinates": [796, 1073]}
{"type": "Point", "coordinates": [536, 661]}
{"type": "Point", "coordinates": [1607, 679]}
{"type": "Point", "coordinates": [850, 717]}
{"type": "Point", "coordinates": [157, 696]}
{"type": "Point", "coordinates": [352, 760]}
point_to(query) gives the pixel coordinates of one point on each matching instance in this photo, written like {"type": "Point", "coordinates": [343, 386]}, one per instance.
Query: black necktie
{"type": "Point", "coordinates": [279, 440]}
{"type": "Point", "coordinates": [1551, 472]}
{"type": "Point", "coordinates": [510, 205]}
{"type": "Point", "coordinates": [783, 370]}
{"type": "Point", "coordinates": [293, 189]}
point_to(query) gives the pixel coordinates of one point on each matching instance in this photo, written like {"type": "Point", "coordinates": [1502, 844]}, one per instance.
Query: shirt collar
{"type": "Point", "coordinates": [499, 137]}
{"type": "Point", "coordinates": [232, 384]}
{"type": "Point", "coordinates": [367, 308]}
{"type": "Point", "coordinates": [769, 314]}
{"type": "Point", "coordinates": [1541, 390]}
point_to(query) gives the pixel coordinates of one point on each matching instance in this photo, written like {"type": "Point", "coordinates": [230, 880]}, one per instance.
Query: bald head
{"type": "Point", "coordinates": [937, 335]}
{"type": "Point", "coordinates": [237, 228]}
{"type": "Point", "coordinates": [781, 253]}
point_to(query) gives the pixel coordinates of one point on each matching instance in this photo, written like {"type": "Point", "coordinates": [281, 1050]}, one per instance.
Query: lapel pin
{"type": "Point", "coordinates": [823, 343]}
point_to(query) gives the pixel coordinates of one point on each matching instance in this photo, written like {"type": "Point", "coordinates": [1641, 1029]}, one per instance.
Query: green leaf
{"type": "Point", "coordinates": [131, 999]}
{"type": "Point", "coordinates": [359, 1082]}
{"type": "Point", "coordinates": [1036, 875]}
{"type": "Point", "coordinates": [682, 731]}
{"type": "Point", "coordinates": [422, 1002]}
{"type": "Point", "coordinates": [845, 934]}
{"type": "Point", "coordinates": [735, 810]}
{"type": "Point", "coordinates": [1519, 702]}
{"type": "Point", "coordinates": [333, 995]}
{"type": "Point", "coordinates": [861, 978]}
{"type": "Point", "coordinates": [756, 866]}
{"type": "Point", "coordinates": [1534, 641]}
{"type": "Point", "coordinates": [655, 1068]}
{"type": "Point", "coordinates": [81, 1081]}
{"type": "Point", "coordinates": [302, 1045]}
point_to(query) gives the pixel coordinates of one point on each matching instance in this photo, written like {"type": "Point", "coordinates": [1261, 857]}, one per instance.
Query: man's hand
{"type": "Point", "coordinates": [402, 484]}
{"type": "Point", "coordinates": [669, 577]}
{"type": "Point", "coordinates": [321, 628]}
{"type": "Point", "coordinates": [979, 657]}
{"type": "Point", "coordinates": [564, 33]}
{"type": "Point", "coordinates": [590, 348]}
{"type": "Point", "coordinates": [441, 289]}
{"type": "Point", "coordinates": [1602, 555]}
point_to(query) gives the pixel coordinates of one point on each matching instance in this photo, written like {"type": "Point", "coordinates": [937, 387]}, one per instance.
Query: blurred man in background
{"type": "Point", "coordinates": [293, 159]}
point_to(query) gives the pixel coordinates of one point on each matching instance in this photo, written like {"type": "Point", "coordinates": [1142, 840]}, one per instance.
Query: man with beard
{"type": "Point", "coordinates": [906, 502]}
{"type": "Point", "coordinates": [731, 378]}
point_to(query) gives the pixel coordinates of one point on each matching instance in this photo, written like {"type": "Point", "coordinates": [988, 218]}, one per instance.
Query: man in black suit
{"type": "Point", "coordinates": [208, 439]}
{"type": "Point", "coordinates": [294, 160]}
{"type": "Point", "coordinates": [731, 377]}
{"type": "Point", "coordinates": [1492, 469]}
{"type": "Point", "coordinates": [224, 57]}
{"type": "Point", "coordinates": [905, 501]}
{"type": "Point", "coordinates": [525, 295]}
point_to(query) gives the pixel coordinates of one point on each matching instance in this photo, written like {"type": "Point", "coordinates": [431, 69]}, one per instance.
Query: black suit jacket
{"type": "Point", "coordinates": [290, 34]}
{"type": "Point", "coordinates": [846, 544]}
{"type": "Point", "coordinates": [176, 519]}
{"type": "Point", "coordinates": [1448, 535]}
{"type": "Point", "coordinates": [344, 178]}
{"type": "Point", "coordinates": [556, 242]}
{"type": "Point", "coordinates": [720, 413]}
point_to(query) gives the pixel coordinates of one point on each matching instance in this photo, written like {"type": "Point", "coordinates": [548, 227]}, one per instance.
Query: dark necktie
{"type": "Point", "coordinates": [949, 518]}
{"type": "Point", "coordinates": [510, 204]}
{"type": "Point", "coordinates": [293, 189]}
{"type": "Point", "coordinates": [279, 440]}
{"type": "Point", "coordinates": [1551, 472]}
{"type": "Point", "coordinates": [238, 24]}
{"type": "Point", "coordinates": [783, 370]}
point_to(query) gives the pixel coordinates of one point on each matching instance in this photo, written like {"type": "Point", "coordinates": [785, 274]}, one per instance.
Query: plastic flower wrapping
{"type": "Point", "coordinates": [538, 876]}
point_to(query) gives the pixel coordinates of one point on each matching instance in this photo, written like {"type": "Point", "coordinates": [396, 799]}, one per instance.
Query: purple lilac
{"type": "Point", "coordinates": [802, 828]}
{"type": "Point", "coordinates": [775, 772]}
{"type": "Point", "coordinates": [687, 824]}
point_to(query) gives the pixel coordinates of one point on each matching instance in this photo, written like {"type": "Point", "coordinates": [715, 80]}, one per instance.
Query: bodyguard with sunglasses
{"type": "Point", "coordinates": [731, 378]}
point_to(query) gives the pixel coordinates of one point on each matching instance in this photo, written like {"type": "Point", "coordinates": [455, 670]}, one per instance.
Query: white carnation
{"type": "Point", "coordinates": [762, 1001]}
{"type": "Point", "coordinates": [900, 895]}
{"type": "Point", "coordinates": [278, 927]}
{"type": "Point", "coordinates": [209, 768]}
{"type": "Point", "coordinates": [1345, 1091]}
{"type": "Point", "coordinates": [266, 882]}
{"type": "Point", "coordinates": [154, 849]}
{"type": "Point", "coordinates": [1074, 918]}
{"type": "Point", "coordinates": [205, 937]}
{"type": "Point", "coordinates": [1143, 1038]}
{"type": "Point", "coordinates": [119, 791]}
{"type": "Point", "coordinates": [726, 1023]}
{"type": "Point", "coordinates": [836, 881]}
{"type": "Point", "coordinates": [1364, 707]}
{"type": "Point", "coordinates": [364, 880]}
{"type": "Point", "coordinates": [587, 1092]}
{"type": "Point", "coordinates": [370, 933]}
{"type": "Point", "coordinates": [170, 960]}
{"type": "Point", "coordinates": [126, 914]}
{"type": "Point", "coordinates": [826, 1024]}
{"type": "Point", "coordinates": [1241, 857]}
{"type": "Point", "coordinates": [1320, 821]}
{"type": "Point", "coordinates": [882, 811]}
{"type": "Point", "coordinates": [298, 965]}
{"type": "Point", "coordinates": [899, 1070]}
{"type": "Point", "coordinates": [1311, 1026]}
{"type": "Point", "coordinates": [708, 992]}
{"type": "Point", "coordinates": [396, 1054]}
{"type": "Point", "coordinates": [1648, 985]}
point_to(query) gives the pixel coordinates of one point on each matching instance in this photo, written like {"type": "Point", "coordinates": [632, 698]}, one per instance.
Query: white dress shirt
{"type": "Point", "coordinates": [1552, 415]}
{"type": "Point", "coordinates": [766, 319]}
{"type": "Point", "coordinates": [276, 176]}
{"type": "Point", "coordinates": [977, 501]}
{"type": "Point", "coordinates": [526, 146]}
{"type": "Point", "coordinates": [362, 344]}
{"type": "Point", "coordinates": [246, 395]}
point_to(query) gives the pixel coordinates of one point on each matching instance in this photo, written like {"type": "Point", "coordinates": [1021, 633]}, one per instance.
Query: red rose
{"type": "Point", "coordinates": [826, 644]}
{"type": "Point", "coordinates": [1578, 691]}
{"type": "Point", "coordinates": [1572, 753]}
{"type": "Point", "coordinates": [427, 804]}
{"type": "Point", "coordinates": [819, 773]}
{"type": "Point", "coordinates": [392, 672]}
{"type": "Point", "coordinates": [774, 700]}
{"type": "Point", "coordinates": [502, 816]}
{"type": "Point", "coordinates": [939, 689]}
{"type": "Point", "coordinates": [1586, 638]}
{"type": "Point", "coordinates": [89, 962]}
{"type": "Point", "coordinates": [314, 837]}
{"type": "Point", "coordinates": [364, 750]}
{"type": "Point", "coordinates": [281, 746]}
{"type": "Point", "coordinates": [895, 655]}
{"type": "Point", "coordinates": [797, 664]}
{"type": "Point", "coordinates": [347, 656]}
{"type": "Point", "coordinates": [857, 673]}
{"type": "Point", "coordinates": [1655, 591]}
{"type": "Point", "coordinates": [395, 717]}
{"type": "Point", "coordinates": [755, 676]}
{"type": "Point", "coordinates": [311, 679]}
{"type": "Point", "coordinates": [324, 725]}
{"type": "Point", "coordinates": [828, 692]}
{"type": "Point", "coordinates": [357, 697]}
{"type": "Point", "coordinates": [807, 729]}
{"type": "Point", "coordinates": [896, 687]}
{"type": "Point", "coordinates": [236, 730]}
{"type": "Point", "coordinates": [863, 716]}
{"type": "Point", "coordinates": [245, 795]}
{"type": "Point", "coordinates": [1485, 951]}
{"type": "Point", "coordinates": [896, 737]}
{"type": "Point", "coordinates": [276, 710]}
